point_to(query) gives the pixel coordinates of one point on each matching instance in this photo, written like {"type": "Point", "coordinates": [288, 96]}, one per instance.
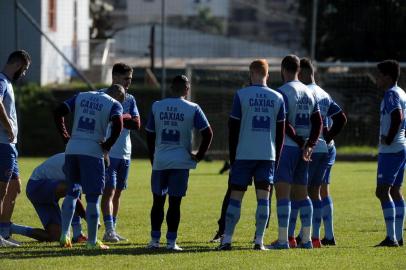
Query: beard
{"type": "Point", "coordinates": [18, 74]}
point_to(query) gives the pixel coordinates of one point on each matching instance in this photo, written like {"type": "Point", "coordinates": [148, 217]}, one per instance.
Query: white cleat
{"type": "Point", "coordinates": [6, 243]}
{"type": "Point", "coordinates": [15, 242]}
{"type": "Point", "coordinates": [174, 247]}
{"type": "Point", "coordinates": [120, 238]}
{"type": "Point", "coordinates": [110, 237]}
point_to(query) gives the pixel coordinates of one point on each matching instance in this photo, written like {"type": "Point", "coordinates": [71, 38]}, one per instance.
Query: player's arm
{"type": "Point", "coordinates": [132, 120]}
{"type": "Point", "coordinates": [339, 121]}
{"type": "Point", "coordinates": [6, 123]}
{"type": "Point", "coordinates": [316, 127]}
{"type": "Point", "coordinates": [396, 119]}
{"type": "Point", "coordinates": [59, 117]}
{"type": "Point", "coordinates": [291, 132]}
{"type": "Point", "coordinates": [234, 125]}
{"type": "Point", "coordinates": [151, 136]}
{"type": "Point", "coordinates": [116, 117]}
{"type": "Point", "coordinates": [280, 132]}
{"type": "Point", "coordinates": [201, 123]}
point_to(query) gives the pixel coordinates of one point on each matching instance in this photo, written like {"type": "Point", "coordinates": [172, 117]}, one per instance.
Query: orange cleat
{"type": "Point", "coordinates": [316, 243]}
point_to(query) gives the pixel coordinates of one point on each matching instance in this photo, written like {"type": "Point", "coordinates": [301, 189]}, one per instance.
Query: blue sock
{"type": "Point", "coordinates": [388, 209]}
{"type": "Point", "coordinates": [108, 223]}
{"type": "Point", "coordinates": [68, 209]}
{"type": "Point", "coordinates": [294, 211]}
{"type": "Point", "coordinates": [155, 235]}
{"type": "Point", "coordinates": [114, 222]}
{"type": "Point", "coordinates": [92, 217]}
{"type": "Point", "coordinates": [76, 226]}
{"type": "Point", "coordinates": [232, 217]}
{"type": "Point", "coordinates": [261, 218]}
{"type": "Point", "coordinates": [399, 218]}
{"type": "Point", "coordinates": [306, 215]}
{"type": "Point", "coordinates": [283, 211]}
{"type": "Point", "coordinates": [327, 214]}
{"type": "Point", "coordinates": [317, 208]}
{"type": "Point", "coordinates": [171, 237]}
{"type": "Point", "coordinates": [20, 229]}
{"type": "Point", "coordinates": [5, 229]}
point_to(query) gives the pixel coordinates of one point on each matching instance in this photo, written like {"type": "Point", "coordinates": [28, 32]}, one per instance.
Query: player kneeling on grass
{"type": "Point", "coordinates": [256, 131]}
{"type": "Point", "coordinates": [85, 151]}
{"type": "Point", "coordinates": [392, 152]}
{"type": "Point", "coordinates": [45, 187]}
{"type": "Point", "coordinates": [169, 135]}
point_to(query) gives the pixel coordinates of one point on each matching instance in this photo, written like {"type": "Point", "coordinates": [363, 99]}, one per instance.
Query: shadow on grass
{"type": "Point", "coordinates": [129, 249]}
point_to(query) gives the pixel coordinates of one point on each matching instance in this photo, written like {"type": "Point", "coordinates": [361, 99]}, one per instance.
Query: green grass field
{"type": "Point", "coordinates": [358, 225]}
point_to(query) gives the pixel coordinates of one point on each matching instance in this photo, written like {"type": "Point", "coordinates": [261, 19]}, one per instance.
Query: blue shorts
{"type": "Point", "coordinates": [173, 182]}
{"type": "Point", "coordinates": [242, 172]}
{"type": "Point", "coordinates": [86, 172]}
{"type": "Point", "coordinates": [41, 193]}
{"type": "Point", "coordinates": [331, 161]}
{"type": "Point", "coordinates": [391, 167]}
{"type": "Point", "coordinates": [8, 162]}
{"type": "Point", "coordinates": [117, 173]}
{"type": "Point", "coordinates": [292, 168]}
{"type": "Point", "coordinates": [317, 168]}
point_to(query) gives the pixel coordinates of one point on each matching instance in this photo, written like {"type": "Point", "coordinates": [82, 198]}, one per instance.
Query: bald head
{"type": "Point", "coordinates": [117, 92]}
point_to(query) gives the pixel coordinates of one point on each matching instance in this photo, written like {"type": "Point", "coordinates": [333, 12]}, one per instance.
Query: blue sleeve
{"type": "Point", "coordinates": [133, 108]}
{"type": "Point", "coordinates": [236, 109]}
{"type": "Point", "coordinates": [392, 101]}
{"type": "Point", "coordinates": [281, 114]}
{"type": "Point", "coordinates": [151, 123]}
{"type": "Point", "coordinates": [333, 109]}
{"type": "Point", "coordinates": [200, 121]}
{"type": "Point", "coordinates": [116, 109]}
{"type": "Point", "coordinates": [70, 103]}
{"type": "Point", "coordinates": [3, 88]}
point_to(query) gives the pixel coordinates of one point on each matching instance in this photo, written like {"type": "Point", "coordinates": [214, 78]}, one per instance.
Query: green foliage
{"type": "Point", "coordinates": [360, 30]}
{"type": "Point", "coordinates": [359, 225]}
{"type": "Point", "coordinates": [32, 96]}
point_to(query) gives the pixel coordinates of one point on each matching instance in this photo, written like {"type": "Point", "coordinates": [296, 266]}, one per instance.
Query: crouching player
{"type": "Point", "coordinates": [169, 131]}
{"type": "Point", "coordinates": [45, 187]}
{"type": "Point", "coordinates": [257, 124]}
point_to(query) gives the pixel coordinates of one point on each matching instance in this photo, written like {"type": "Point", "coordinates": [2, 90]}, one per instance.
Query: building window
{"type": "Point", "coordinates": [52, 15]}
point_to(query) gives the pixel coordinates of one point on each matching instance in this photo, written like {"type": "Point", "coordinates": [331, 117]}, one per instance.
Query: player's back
{"type": "Point", "coordinates": [174, 120]}
{"type": "Point", "coordinates": [394, 98]}
{"type": "Point", "coordinates": [260, 109]}
{"type": "Point", "coordinates": [50, 169]}
{"type": "Point", "coordinates": [92, 114]}
{"type": "Point", "coordinates": [299, 104]}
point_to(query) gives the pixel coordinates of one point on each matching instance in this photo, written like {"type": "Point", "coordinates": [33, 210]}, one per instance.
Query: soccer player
{"type": "Point", "coordinates": [322, 152]}
{"type": "Point", "coordinates": [169, 131]}
{"type": "Point", "coordinates": [257, 124]}
{"type": "Point", "coordinates": [303, 129]}
{"type": "Point", "coordinates": [392, 153]}
{"type": "Point", "coordinates": [17, 65]}
{"type": "Point", "coordinates": [120, 156]}
{"type": "Point", "coordinates": [45, 187]}
{"type": "Point", "coordinates": [85, 151]}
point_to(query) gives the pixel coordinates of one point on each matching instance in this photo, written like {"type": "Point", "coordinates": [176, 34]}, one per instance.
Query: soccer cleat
{"type": "Point", "coordinates": [98, 245]}
{"type": "Point", "coordinates": [121, 238]}
{"type": "Point", "coordinates": [217, 237]}
{"type": "Point", "coordinates": [400, 242]}
{"type": "Point", "coordinates": [80, 239]}
{"type": "Point", "coordinates": [5, 243]}
{"type": "Point", "coordinates": [387, 242]}
{"type": "Point", "coordinates": [224, 246]}
{"type": "Point", "coordinates": [260, 247]}
{"type": "Point", "coordinates": [277, 245]}
{"type": "Point", "coordinates": [173, 247]}
{"type": "Point", "coordinates": [225, 168]}
{"type": "Point", "coordinates": [298, 239]}
{"type": "Point", "coordinates": [11, 240]}
{"type": "Point", "coordinates": [307, 245]}
{"type": "Point", "coordinates": [328, 242]}
{"type": "Point", "coordinates": [65, 241]}
{"type": "Point", "coordinates": [292, 242]}
{"type": "Point", "coordinates": [110, 236]}
{"type": "Point", "coordinates": [153, 244]}
{"type": "Point", "coordinates": [316, 243]}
